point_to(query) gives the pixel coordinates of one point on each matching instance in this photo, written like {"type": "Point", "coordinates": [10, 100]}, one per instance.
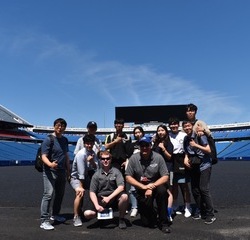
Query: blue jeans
{"type": "Point", "coordinates": [54, 186]}
{"type": "Point", "coordinates": [132, 196]}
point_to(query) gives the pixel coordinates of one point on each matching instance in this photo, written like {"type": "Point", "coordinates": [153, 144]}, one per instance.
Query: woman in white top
{"type": "Point", "coordinates": [181, 176]}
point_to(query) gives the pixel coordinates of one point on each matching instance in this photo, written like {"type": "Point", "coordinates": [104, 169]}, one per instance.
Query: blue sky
{"type": "Point", "coordinates": [79, 59]}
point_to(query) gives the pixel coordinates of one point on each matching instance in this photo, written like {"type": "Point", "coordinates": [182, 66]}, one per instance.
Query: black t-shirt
{"type": "Point", "coordinates": [122, 150]}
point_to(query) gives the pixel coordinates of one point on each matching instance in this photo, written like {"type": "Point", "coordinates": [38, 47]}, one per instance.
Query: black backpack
{"type": "Point", "coordinates": [213, 153]}
{"type": "Point", "coordinates": [38, 161]}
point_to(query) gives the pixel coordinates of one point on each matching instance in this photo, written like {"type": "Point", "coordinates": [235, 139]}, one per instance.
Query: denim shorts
{"type": "Point", "coordinates": [75, 183]}
{"type": "Point", "coordinates": [181, 178]}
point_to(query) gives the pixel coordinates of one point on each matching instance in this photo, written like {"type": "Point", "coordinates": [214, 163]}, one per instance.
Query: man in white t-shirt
{"type": "Point", "coordinates": [92, 128]}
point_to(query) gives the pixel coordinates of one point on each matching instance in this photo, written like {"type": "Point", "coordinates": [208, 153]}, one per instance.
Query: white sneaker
{"type": "Point", "coordinates": [134, 212]}
{"type": "Point", "coordinates": [170, 219]}
{"type": "Point", "coordinates": [58, 218]}
{"type": "Point", "coordinates": [46, 225]}
{"type": "Point", "coordinates": [77, 221]}
{"type": "Point", "coordinates": [188, 212]}
{"type": "Point", "coordinates": [179, 210]}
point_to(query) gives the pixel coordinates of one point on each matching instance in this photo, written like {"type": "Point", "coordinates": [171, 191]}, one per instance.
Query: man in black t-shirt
{"type": "Point", "coordinates": [119, 145]}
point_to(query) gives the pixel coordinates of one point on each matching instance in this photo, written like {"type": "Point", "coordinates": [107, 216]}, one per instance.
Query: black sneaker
{"type": "Point", "coordinates": [165, 228]}
{"type": "Point", "coordinates": [210, 220]}
{"type": "Point", "coordinates": [122, 224]}
{"type": "Point", "coordinates": [203, 216]}
{"type": "Point", "coordinates": [196, 216]}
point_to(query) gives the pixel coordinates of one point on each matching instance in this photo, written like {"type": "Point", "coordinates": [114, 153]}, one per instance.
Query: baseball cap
{"type": "Point", "coordinates": [92, 124]}
{"type": "Point", "coordinates": [145, 140]}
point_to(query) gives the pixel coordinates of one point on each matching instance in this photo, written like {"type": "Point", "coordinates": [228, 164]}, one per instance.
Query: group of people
{"type": "Point", "coordinates": [142, 176]}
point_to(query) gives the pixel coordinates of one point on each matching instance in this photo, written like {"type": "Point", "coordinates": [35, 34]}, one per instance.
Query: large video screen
{"type": "Point", "coordinates": [147, 114]}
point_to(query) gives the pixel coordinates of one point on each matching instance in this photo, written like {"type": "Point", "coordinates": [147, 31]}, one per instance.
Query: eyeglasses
{"type": "Point", "coordinates": [107, 158]}
{"type": "Point", "coordinates": [60, 125]}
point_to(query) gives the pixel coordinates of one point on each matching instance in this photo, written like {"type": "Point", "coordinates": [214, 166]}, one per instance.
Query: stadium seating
{"type": "Point", "coordinates": [239, 150]}
{"type": "Point", "coordinates": [21, 153]}
{"type": "Point", "coordinates": [231, 145]}
{"type": "Point", "coordinates": [237, 134]}
{"type": "Point", "coordinates": [17, 153]}
{"type": "Point", "coordinates": [15, 134]}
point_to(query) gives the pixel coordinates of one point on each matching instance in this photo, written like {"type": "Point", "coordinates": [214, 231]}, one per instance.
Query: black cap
{"type": "Point", "coordinates": [92, 124]}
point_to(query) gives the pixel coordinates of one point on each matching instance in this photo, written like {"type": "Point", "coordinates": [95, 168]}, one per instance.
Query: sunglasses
{"type": "Point", "coordinates": [107, 158]}
{"type": "Point", "coordinates": [144, 145]}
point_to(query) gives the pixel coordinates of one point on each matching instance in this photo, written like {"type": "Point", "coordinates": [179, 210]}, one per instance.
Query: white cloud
{"type": "Point", "coordinates": [115, 83]}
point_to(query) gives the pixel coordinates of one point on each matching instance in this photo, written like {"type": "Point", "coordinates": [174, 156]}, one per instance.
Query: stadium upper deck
{"type": "Point", "coordinates": [148, 128]}
{"type": "Point", "coordinates": [19, 140]}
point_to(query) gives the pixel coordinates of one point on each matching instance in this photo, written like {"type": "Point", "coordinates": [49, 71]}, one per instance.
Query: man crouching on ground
{"type": "Point", "coordinates": [147, 171]}
{"type": "Point", "coordinates": [107, 190]}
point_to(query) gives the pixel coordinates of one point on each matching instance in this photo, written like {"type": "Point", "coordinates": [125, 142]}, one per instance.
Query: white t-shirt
{"type": "Point", "coordinates": [177, 141]}
{"type": "Point", "coordinates": [80, 145]}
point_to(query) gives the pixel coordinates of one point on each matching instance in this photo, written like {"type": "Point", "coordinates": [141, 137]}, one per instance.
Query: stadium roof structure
{"type": "Point", "coordinates": [149, 114]}
{"type": "Point", "coordinates": [10, 120]}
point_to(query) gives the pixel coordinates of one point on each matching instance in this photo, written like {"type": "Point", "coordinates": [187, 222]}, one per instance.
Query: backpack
{"type": "Point", "coordinates": [38, 161]}
{"type": "Point", "coordinates": [213, 153]}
